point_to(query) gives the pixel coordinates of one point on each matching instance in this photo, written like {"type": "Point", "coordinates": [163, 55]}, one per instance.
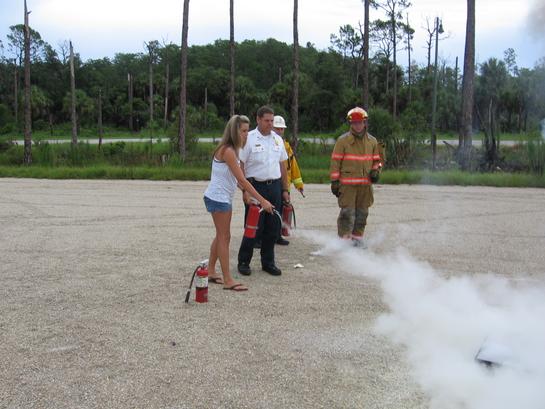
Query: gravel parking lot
{"type": "Point", "coordinates": [94, 275]}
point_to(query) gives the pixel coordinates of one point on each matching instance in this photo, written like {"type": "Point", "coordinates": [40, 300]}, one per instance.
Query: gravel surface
{"type": "Point", "coordinates": [94, 275]}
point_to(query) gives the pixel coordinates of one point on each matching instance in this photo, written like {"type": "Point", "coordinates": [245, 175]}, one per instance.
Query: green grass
{"type": "Point", "coordinates": [196, 172]}
{"type": "Point", "coordinates": [83, 134]}
{"type": "Point", "coordinates": [460, 178]}
{"type": "Point", "coordinates": [106, 172]}
{"type": "Point", "coordinates": [143, 160]}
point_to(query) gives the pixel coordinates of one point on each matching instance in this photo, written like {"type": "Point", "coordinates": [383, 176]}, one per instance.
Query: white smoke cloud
{"type": "Point", "coordinates": [442, 323]}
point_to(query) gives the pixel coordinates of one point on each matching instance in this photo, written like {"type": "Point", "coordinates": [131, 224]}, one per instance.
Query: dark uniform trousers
{"type": "Point", "coordinates": [269, 224]}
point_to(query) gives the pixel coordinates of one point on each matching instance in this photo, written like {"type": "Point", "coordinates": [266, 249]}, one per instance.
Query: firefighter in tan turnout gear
{"type": "Point", "coordinates": [355, 165]}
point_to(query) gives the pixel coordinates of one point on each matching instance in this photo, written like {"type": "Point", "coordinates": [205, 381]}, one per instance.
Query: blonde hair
{"type": "Point", "coordinates": [231, 134]}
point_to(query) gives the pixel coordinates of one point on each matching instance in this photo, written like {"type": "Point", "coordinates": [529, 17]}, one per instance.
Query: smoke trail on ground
{"type": "Point", "coordinates": [442, 323]}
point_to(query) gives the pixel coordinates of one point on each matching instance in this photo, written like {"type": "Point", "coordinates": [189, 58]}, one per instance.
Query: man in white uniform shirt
{"type": "Point", "coordinates": [261, 160]}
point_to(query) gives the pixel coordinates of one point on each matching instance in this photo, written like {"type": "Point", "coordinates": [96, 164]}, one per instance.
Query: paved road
{"type": "Point", "coordinates": [94, 274]}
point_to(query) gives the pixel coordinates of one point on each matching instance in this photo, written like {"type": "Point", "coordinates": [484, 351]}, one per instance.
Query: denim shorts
{"type": "Point", "coordinates": [213, 206]}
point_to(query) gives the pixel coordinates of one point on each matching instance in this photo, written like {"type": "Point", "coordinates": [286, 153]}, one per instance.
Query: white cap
{"type": "Point", "coordinates": [278, 122]}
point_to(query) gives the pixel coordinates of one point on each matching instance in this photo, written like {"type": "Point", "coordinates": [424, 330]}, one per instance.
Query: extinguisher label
{"type": "Point", "coordinates": [201, 281]}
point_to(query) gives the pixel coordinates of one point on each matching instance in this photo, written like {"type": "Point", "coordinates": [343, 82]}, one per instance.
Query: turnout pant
{"type": "Point", "coordinates": [354, 202]}
{"type": "Point", "coordinates": [269, 225]}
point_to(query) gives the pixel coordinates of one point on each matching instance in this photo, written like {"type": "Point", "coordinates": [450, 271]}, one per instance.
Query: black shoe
{"type": "Point", "coordinates": [244, 269]}
{"type": "Point", "coordinates": [257, 244]}
{"type": "Point", "coordinates": [282, 241]}
{"type": "Point", "coordinates": [272, 270]}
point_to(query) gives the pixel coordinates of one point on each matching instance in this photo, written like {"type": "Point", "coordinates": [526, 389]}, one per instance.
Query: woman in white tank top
{"type": "Point", "coordinates": [218, 196]}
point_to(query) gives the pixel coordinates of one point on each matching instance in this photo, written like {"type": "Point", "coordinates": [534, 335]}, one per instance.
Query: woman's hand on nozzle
{"type": "Point", "coordinates": [267, 206]}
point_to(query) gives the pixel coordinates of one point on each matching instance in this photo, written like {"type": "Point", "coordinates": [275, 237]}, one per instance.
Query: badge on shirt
{"type": "Point", "coordinates": [258, 148]}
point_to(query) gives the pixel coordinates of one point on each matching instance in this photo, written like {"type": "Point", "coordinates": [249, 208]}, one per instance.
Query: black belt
{"type": "Point", "coordinates": [262, 182]}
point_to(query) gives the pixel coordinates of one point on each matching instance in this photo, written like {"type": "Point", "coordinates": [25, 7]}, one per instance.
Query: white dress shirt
{"type": "Point", "coordinates": [262, 155]}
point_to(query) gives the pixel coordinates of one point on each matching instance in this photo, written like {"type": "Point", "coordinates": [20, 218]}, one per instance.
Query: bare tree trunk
{"type": "Point", "coordinates": [496, 132]}
{"type": "Point", "coordinates": [456, 76]}
{"type": "Point", "coordinates": [394, 101]}
{"type": "Point", "coordinates": [434, 98]}
{"type": "Point", "coordinates": [151, 51]}
{"type": "Point", "coordinates": [232, 59]}
{"type": "Point", "coordinates": [100, 129]}
{"type": "Point", "coordinates": [295, 101]}
{"type": "Point", "coordinates": [429, 43]}
{"type": "Point", "coordinates": [73, 92]}
{"type": "Point", "coordinates": [387, 76]}
{"type": "Point", "coordinates": [50, 117]}
{"type": "Point", "coordinates": [409, 52]}
{"type": "Point", "coordinates": [466, 126]}
{"type": "Point", "coordinates": [205, 122]}
{"type": "Point", "coordinates": [167, 87]}
{"type": "Point", "coordinates": [131, 92]}
{"type": "Point", "coordinates": [16, 92]}
{"type": "Point", "coordinates": [365, 69]}
{"type": "Point", "coordinates": [27, 158]}
{"type": "Point", "coordinates": [183, 82]}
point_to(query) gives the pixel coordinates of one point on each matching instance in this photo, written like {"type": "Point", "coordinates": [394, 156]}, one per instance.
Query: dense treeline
{"type": "Point", "coordinates": [507, 99]}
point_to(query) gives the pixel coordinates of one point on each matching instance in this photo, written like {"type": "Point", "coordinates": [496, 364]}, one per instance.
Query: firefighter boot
{"type": "Point", "coordinates": [358, 242]}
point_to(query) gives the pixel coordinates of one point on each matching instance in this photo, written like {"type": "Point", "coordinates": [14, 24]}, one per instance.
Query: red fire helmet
{"type": "Point", "coordinates": [356, 115]}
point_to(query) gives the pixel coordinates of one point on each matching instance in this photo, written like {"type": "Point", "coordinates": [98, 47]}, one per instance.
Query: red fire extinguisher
{"type": "Point", "coordinates": [201, 284]}
{"type": "Point", "coordinates": [288, 216]}
{"type": "Point", "coordinates": [252, 220]}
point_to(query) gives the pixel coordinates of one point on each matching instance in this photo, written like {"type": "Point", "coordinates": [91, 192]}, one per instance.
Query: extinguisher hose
{"type": "Point", "coordinates": [279, 216]}
{"type": "Point", "coordinates": [190, 285]}
{"type": "Point", "coordinates": [293, 214]}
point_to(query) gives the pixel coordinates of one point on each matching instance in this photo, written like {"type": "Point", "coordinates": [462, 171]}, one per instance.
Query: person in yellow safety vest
{"type": "Point", "coordinates": [292, 168]}
{"type": "Point", "coordinates": [355, 165]}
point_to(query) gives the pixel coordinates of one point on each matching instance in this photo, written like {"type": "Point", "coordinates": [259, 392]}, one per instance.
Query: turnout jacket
{"type": "Point", "coordinates": [353, 158]}
{"type": "Point", "coordinates": [293, 171]}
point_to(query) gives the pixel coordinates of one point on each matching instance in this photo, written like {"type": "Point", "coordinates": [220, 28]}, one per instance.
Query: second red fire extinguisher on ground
{"type": "Point", "coordinates": [200, 276]}
{"type": "Point", "coordinates": [201, 283]}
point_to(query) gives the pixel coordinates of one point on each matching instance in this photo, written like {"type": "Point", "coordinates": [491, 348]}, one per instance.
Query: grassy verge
{"type": "Point", "coordinates": [394, 177]}
{"type": "Point", "coordinates": [106, 172]}
{"type": "Point", "coordinates": [83, 134]}
{"type": "Point", "coordinates": [416, 177]}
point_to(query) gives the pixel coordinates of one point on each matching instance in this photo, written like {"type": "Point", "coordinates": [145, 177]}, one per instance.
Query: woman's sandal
{"type": "Point", "coordinates": [215, 280]}
{"type": "Point", "coordinates": [236, 287]}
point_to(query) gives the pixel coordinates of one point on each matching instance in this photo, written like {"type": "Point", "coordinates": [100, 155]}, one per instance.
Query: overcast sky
{"type": "Point", "coordinates": [101, 28]}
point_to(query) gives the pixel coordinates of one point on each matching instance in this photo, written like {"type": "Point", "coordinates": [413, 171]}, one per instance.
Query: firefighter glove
{"type": "Point", "coordinates": [373, 175]}
{"type": "Point", "coordinates": [335, 185]}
